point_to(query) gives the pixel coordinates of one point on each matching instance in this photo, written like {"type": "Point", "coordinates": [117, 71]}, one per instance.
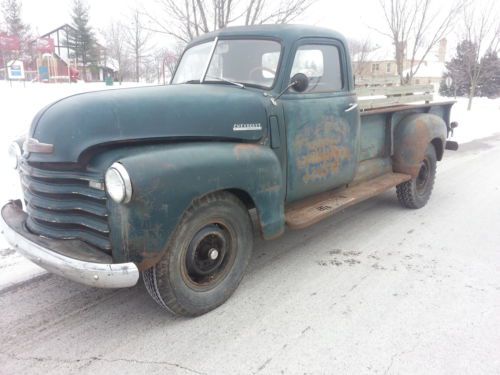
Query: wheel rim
{"type": "Point", "coordinates": [208, 257]}
{"type": "Point", "coordinates": [423, 177]}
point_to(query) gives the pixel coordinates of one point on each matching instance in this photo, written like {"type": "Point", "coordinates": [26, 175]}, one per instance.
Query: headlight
{"type": "Point", "coordinates": [118, 183]}
{"type": "Point", "coordinates": [14, 155]}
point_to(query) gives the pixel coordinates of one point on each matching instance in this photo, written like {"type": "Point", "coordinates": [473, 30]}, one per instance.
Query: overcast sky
{"type": "Point", "coordinates": [353, 18]}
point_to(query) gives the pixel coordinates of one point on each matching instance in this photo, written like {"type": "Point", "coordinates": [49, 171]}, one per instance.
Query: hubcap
{"type": "Point", "coordinates": [208, 255]}
{"type": "Point", "coordinates": [423, 177]}
{"type": "Point", "coordinates": [213, 254]}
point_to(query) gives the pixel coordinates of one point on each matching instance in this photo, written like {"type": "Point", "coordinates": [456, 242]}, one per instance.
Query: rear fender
{"type": "Point", "coordinates": [166, 179]}
{"type": "Point", "coordinates": [412, 136]}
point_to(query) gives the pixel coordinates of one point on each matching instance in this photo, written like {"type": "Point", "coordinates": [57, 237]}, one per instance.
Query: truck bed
{"type": "Point", "coordinates": [383, 96]}
{"type": "Point", "coordinates": [377, 126]}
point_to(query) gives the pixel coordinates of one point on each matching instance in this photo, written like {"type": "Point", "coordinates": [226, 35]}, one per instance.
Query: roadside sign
{"type": "Point", "coordinates": [15, 69]}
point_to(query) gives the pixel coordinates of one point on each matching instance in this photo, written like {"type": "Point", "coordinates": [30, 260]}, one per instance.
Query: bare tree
{"type": "Point", "coordinates": [481, 31]}
{"type": "Point", "coordinates": [360, 49]}
{"type": "Point", "coordinates": [414, 28]}
{"type": "Point", "coordinates": [187, 19]}
{"type": "Point", "coordinates": [115, 36]}
{"type": "Point", "coordinates": [171, 57]}
{"type": "Point", "coordinates": [138, 39]}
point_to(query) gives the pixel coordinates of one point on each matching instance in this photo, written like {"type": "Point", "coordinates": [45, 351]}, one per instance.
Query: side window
{"type": "Point", "coordinates": [321, 64]}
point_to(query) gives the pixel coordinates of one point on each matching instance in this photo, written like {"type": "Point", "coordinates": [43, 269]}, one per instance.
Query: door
{"type": "Point", "coordinates": [322, 123]}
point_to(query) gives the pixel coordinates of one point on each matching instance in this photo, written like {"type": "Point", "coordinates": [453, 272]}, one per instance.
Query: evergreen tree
{"type": "Point", "coordinates": [456, 69]}
{"type": "Point", "coordinates": [489, 84]}
{"type": "Point", "coordinates": [14, 26]}
{"type": "Point", "coordinates": [465, 62]}
{"type": "Point", "coordinates": [82, 39]}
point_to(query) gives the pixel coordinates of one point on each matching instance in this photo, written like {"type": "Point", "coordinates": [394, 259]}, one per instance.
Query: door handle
{"type": "Point", "coordinates": [351, 107]}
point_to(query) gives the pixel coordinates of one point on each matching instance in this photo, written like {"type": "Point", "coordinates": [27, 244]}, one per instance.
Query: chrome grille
{"type": "Point", "coordinates": [62, 205]}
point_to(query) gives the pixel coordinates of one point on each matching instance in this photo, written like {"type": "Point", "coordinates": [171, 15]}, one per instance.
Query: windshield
{"type": "Point", "coordinates": [246, 61]}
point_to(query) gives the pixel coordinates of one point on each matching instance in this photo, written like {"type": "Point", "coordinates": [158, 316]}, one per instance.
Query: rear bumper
{"type": "Point", "coordinates": [88, 266]}
{"type": "Point", "coordinates": [451, 145]}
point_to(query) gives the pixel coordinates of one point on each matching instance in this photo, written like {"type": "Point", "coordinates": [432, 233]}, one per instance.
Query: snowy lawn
{"type": "Point", "coordinates": [482, 121]}
{"type": "Point", "coordinates": [19, 103]}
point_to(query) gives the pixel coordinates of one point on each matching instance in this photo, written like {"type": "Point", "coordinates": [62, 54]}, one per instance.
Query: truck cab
{"type": "Point", "coordinates": [160, 180]}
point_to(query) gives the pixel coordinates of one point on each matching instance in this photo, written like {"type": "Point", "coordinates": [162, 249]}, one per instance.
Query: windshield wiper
{"type": "Point", "coordinates": [192, 81]}
{"type": "Point", "coordinates": [241, 85]}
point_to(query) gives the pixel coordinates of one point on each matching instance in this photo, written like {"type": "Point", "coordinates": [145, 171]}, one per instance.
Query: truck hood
{"type": "Point", "coordinates": [146, 114]}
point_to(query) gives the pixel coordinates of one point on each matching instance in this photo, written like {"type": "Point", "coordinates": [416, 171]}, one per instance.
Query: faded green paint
{"type": "Point", "coordinates": [372, 168]}
{"type": "Point", "coordinates": [148, 114]}
{"type": "Point", "coordinates": [322, 144]}
{"type": "Point", "coordinates": [373, 137]}
{"type": "Point", "coordinates": [167, 179]}
{"type": "Point", "coordinates": [178, 144]}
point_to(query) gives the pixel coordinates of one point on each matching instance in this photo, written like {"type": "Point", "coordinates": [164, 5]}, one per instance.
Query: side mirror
{"type": "Point", "coordinates": [299, 82]}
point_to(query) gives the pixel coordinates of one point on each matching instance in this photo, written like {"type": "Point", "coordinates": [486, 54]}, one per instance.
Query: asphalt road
{"type": "Point", "coordinates": [377, 289]}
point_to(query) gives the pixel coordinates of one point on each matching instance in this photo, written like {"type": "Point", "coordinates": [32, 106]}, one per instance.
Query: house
{"type": "Point", "coordinates": [380, 65]}
{"type": "Point", "coordinates": [429, 73]}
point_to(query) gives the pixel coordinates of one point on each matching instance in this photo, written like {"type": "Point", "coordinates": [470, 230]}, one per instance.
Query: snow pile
{"type": "Point", "coordinates": [20, 102]}
{"type": "Point", "coordinates": [482, 121]}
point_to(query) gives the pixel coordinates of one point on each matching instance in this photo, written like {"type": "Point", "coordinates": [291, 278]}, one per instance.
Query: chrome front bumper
{"type": "Point", "coordinates": [85, 271]}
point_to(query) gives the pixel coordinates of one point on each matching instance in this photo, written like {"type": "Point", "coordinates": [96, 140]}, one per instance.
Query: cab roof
{"type": "Point", "coordinates": [286, 33]}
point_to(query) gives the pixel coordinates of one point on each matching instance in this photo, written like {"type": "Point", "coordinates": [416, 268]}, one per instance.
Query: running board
{"type": "Point", "coordinates": [311, 210]}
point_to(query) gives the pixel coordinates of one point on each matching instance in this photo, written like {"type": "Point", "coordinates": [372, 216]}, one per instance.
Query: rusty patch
{"type": "Point", "coordinates": [321, 149]}
{"type": "Point", "coordinates": [149, 260]}
{"type": "Point", "coordinates": [244, 149]}
{"type": "Point", "coordinates": [411, 141]}
{"type": "Point", "coordinates": [316, 208]}
{"type": "Point", "coordinates": [272, 189]}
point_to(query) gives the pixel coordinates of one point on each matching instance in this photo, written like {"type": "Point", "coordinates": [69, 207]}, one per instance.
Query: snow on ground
{"type": "Point", "coordinates": [482, 121]}
{"type": "Point", "coordinates": [20, 102]}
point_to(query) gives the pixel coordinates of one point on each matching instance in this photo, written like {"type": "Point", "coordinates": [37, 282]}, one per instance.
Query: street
{"type": "Point", "coordinates": [377, 289]}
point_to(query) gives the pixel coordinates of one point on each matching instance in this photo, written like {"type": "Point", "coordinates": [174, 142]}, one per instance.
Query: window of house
{"type": "Point", "coordinates": [375, 68]}
{"type": "Point", "coordinates": [388, 68]}
{"type": "Point", "coordinates": [321, 64]}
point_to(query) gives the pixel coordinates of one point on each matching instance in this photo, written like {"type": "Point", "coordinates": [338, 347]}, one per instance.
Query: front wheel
{"type": "Point", "coordinates": [206, 257]}
{"type": "Point", "coordinates": [416, 192]}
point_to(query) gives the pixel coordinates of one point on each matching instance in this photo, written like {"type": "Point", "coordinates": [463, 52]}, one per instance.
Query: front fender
{"type": "Point", "coordinates": [412, 136]}
{"type": "Point", "coordinates": [167, 178]}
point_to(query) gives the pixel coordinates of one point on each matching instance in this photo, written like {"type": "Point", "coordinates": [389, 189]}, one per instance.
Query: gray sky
{"type": "Point", "coordinates": [353, 18]}
{"type": "Point", "coordinates": [349, 17]}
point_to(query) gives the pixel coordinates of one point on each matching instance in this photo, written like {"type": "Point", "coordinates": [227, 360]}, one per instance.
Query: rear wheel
{"type": "Point", "coordinates": [206, 257]}
{"type": "Point", "coordinates": [416, 192]}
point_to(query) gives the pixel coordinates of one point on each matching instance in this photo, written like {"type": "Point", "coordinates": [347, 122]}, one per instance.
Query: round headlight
{"type": "Point", "coordinates": [118, 183]}
{"type": "Point", "coordinates": [15, 155]}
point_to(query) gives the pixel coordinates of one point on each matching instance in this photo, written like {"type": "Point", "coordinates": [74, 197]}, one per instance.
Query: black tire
{"type": "Point", "coordinates": [206, 257]}
{"type": "Point", "coordinates": [416, 192]}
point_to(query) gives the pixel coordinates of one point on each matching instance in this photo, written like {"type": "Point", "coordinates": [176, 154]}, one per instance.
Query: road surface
{"type": "Point", "coordinates": [377, 289]}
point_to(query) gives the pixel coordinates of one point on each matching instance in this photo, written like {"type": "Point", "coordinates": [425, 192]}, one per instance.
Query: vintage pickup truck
{"type": "Point", "coordinates": [160, 180]}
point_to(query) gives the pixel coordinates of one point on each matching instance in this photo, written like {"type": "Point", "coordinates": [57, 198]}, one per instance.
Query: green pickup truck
{"type": "Point", "coordinates": [161, 180]}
